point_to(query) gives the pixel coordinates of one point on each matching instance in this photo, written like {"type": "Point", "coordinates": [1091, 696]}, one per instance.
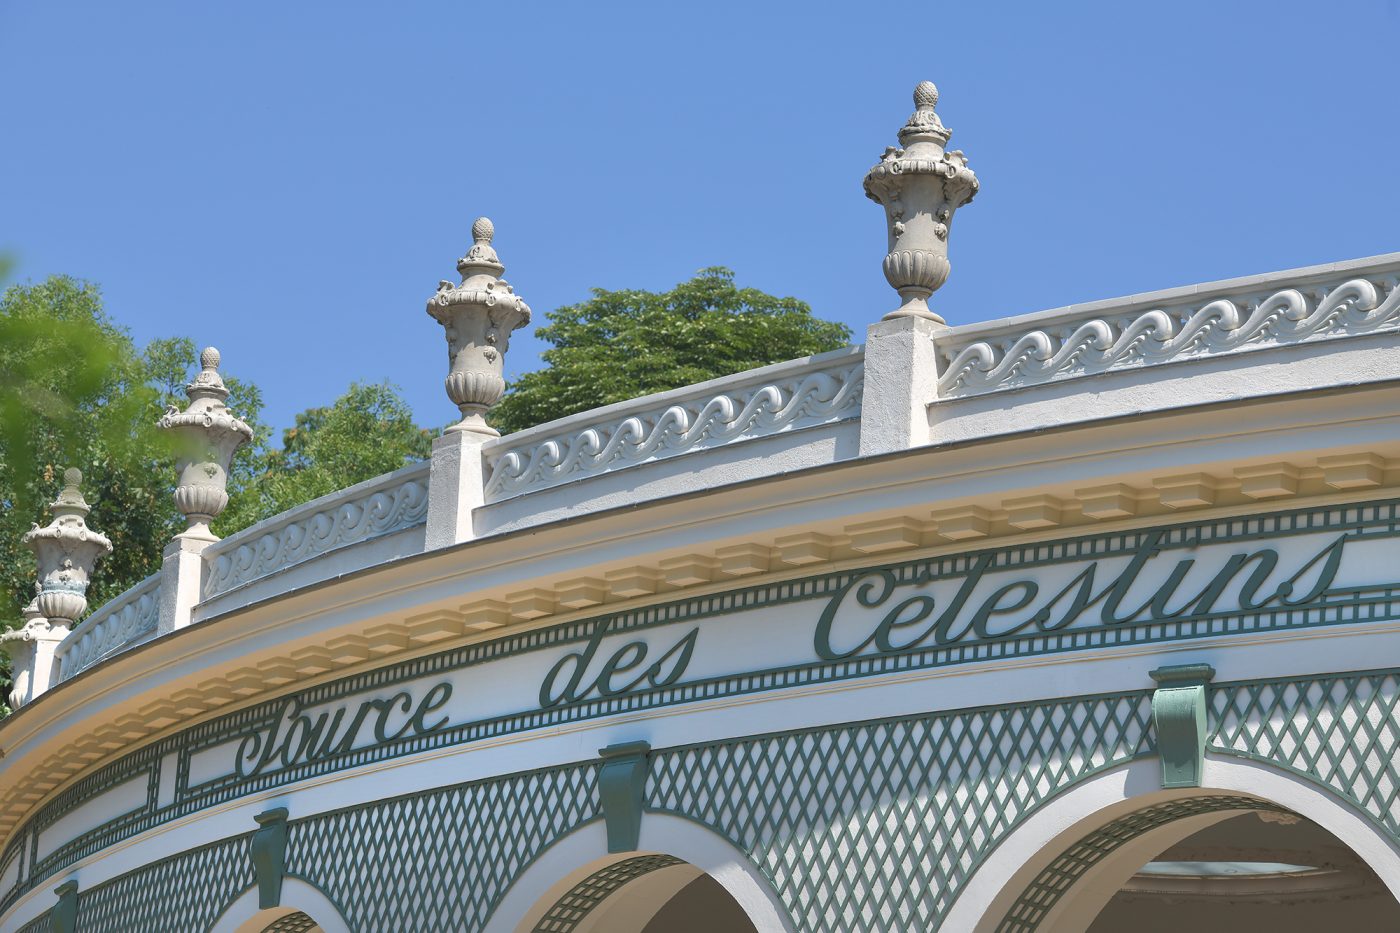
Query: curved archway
{"type": "Point", "coordinates": [1126, 810]}
{"type": "Point", "coordinates": [304, 909]}
{"type": "Point", "coordinates": [575, 884]}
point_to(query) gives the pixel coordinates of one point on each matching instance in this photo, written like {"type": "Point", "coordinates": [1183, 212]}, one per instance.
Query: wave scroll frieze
{"type": "Point", "coordinates": [809, 398]}
{"type": "Point", "coordinates": [119, 624]}
{"type": "Point", "coordinates": [1352, 307]}
{"type": "Point", "coordinates": [303, 535]}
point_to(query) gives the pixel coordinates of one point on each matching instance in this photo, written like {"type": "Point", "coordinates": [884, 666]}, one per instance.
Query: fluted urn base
{"type": "Point", "coordinates": [474, 391]}
{"type": "Point", "coordinates": [200, 504]}
{"type": "Point", "coordinates": [62, 607]}
{"type": "Point", "coordinates": [915, 274]}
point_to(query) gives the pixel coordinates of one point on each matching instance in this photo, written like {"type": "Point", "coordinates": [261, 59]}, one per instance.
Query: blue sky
{"type": "Point", "coordinates": [289, 181]}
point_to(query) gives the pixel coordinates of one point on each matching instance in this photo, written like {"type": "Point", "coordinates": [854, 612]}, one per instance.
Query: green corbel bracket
{"type": "Point", "coordinates": [268, 853]}
{"type": "Point", "coordinates": [1179, 715]}
{"type": "Point", "coordinates": [620, 785]}
{"type": "Point", "coordinates": [64, 918]}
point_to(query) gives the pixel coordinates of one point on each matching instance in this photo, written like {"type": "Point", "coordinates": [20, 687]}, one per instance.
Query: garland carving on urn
{"type": "Point", "coordinates": [920, 186]}
{"type": "Point", "coordinates": [478, 315]}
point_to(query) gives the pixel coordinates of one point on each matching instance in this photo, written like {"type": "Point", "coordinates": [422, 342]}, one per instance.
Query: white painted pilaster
{"type": "Point", "coordinates": [456, 487]}
{"type": "Point", "coordinates": [901, 378]}
{"type": "Point", "coordinates": [181, 581]}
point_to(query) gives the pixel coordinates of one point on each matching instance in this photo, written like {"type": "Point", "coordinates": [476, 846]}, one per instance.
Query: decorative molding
{"type": "Point", "coordinates": [824, 812]}
{"type": "Point", "coordinates": [386, 640]}
{"type": "Point", "coordinates": [996, 767]}
{"type": "Point", "coordinates": [120, 623]}
{"type": "Point", "coordinates": [652, 428]}
{"type": "Point", "coordinates": [1349, 305]}
{"type": "Point", "coordinates": [383, 641]}
{"type": "Point", "coordinates": [378, 507]}
{"type": "Point", "coordinates": [1376, 522]}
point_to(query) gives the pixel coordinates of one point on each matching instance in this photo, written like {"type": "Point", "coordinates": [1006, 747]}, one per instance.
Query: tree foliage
{"type": "Point", "coordinates": [76, 391]}
{"type": "Point", "coordinates": [367, 432]}
{"type": "Point", "coordinates": [619, 345]}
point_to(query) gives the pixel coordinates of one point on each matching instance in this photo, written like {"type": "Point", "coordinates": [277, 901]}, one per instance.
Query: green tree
{"type": "Point", "coordinates": [368, 431]}
{"type": "Point", "coordinates": [619, 345]}
{"type": "Point", "coordinates": [75, 391]}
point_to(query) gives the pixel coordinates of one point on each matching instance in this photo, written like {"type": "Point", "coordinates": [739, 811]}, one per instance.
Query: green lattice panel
{"type": "Point", "coordinates": [438, 860]}
{"type": "Point", "coordinates": [43, 924]}
{"type": "Point", "coordinates": [1342, 731]}
{"type": "Point", "coordinates": [186, 892]}
{"type": "Point", "coordinates": [875, 827]}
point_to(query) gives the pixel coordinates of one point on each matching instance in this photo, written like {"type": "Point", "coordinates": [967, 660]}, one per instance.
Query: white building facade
{"type": "Point", "coordinates": [1049, 623]}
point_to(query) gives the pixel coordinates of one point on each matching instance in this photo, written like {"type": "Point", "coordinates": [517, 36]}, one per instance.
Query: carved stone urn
{"type": "Point", "coordinates": [206, 437]}
{"type": "Point", "coordinates": [31, 649]}
{"type": "Point", "coordinates": [479, 315]}
{"type": "Point", "coordinates": [920, 186]}
{"type": "Point", "coordinates": [66, 551]}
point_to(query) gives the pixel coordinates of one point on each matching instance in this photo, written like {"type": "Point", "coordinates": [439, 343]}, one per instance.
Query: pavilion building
{"type": "Point", "coordinates": [1082, 620]}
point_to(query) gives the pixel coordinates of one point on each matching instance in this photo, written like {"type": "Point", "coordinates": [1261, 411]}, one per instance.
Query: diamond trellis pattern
{"type": "Point", "coordinates": [1342, 731]}
{"type": "Point", "coordinates": [186, 892]}
{"type": "Point", "coordinates": [860, 828]}
{"type": "Point", "coordinates": [875, 827]}
{"type": "Point", "coordinates": [40, 924]}
{"type": "Point", "coordinates": [439, 860]}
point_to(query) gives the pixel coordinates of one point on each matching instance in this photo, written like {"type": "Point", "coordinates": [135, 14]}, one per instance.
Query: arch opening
{"type": "Point", "coordinates": [1207, 863]}
{"type": "Point", "coordinates": [1265, 870]}
{"type": "Point", "coordinates": [682, 873]}
{"type": "Point", "coordinates": [652, 893]}
{"type": "Point", "coordinates": [304, 909]}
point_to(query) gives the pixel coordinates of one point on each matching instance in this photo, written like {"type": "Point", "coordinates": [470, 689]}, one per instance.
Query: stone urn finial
{"type": "Point", "coordinates": [66, 551]}
{"type": "Point", "coordinates": [920, 186]}
{"type": "Point", "coordinates": [478, 315]}
{"type": "Point", "coordinates": [206, 436]}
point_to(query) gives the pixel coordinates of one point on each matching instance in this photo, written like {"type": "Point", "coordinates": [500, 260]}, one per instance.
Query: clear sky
{"type": "Point", "coordinates": [289, 181]}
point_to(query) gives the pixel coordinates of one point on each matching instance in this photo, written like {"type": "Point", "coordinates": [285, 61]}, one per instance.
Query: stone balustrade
{"type": "Point", "coordinates": [773, 400]}
{"type": "Point", "coordinates": [121, 623]}
{"type": "Point", "coordinates": [1309, 308]}
{"type": "Point", "coordinates": [1318, 303]}
{"type": "Point", "coordinates": [372, 509]}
